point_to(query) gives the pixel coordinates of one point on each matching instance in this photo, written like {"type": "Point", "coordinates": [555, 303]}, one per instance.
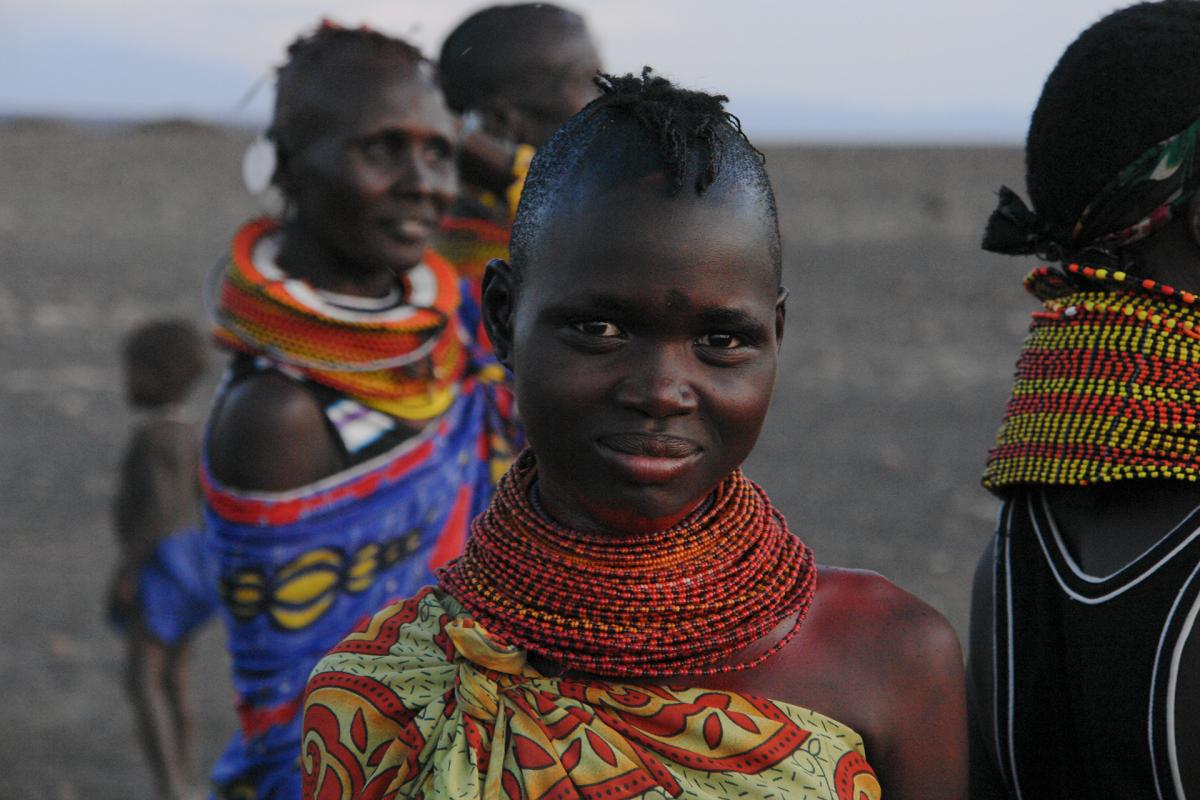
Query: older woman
{"type": "Point", "coordinates": [356, 433]}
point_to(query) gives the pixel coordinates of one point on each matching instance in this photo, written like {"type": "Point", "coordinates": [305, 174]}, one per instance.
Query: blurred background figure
{"type": "Point", "coordinates": [358, 427]}
{"type": "Point", "coordinates": [514, 73]}
{"type": "Point", "coordinates": [164, 587]}
{"type": "Point", "coordinates": [1085, 671]}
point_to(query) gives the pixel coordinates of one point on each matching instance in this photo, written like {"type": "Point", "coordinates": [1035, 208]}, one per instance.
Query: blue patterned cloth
{"type": "Point", "coordinates": [176, 588]}
{"type": "Point", "coordinates": [299, 569]}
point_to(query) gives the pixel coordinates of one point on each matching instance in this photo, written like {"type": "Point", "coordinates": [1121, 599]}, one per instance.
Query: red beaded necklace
{"type": "Point", "coordinates": [673, 602]}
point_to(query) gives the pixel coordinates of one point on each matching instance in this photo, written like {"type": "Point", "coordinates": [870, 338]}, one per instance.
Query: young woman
{"type": "Point", "coordinates": [631, 617]}
{"type": "Point", "coordinates": [359, 427]}
{"type": "Point", "coordinates": [1085, 677]}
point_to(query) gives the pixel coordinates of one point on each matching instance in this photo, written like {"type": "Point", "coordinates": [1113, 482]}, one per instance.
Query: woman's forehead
{"type": "Point", "coordinates": [353, 92]}
{"type": "Point", "coordinates": [642, 231]}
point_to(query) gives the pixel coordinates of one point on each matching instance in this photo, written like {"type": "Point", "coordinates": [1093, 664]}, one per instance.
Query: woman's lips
{"type": "Point", "coordinates": [648, 458]}
{"type": "Point", "coordinates": [409, 229]}
{"type": "Point", "coordinates": [658, 445]}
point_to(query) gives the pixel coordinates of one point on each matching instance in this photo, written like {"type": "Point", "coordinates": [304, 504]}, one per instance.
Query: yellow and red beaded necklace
{"type": "Point", "coordinates": [406, 360]}
{"type": "Point", "coordinates": [1107, 385]}
{"type": "Point", "coordinates": [673, 602]}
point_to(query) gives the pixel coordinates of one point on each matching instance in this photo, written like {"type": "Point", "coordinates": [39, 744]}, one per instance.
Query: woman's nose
{"type": "Point", "coordinates": [418, 175]}
{"type": "Point", "coordinates": [659, 385]}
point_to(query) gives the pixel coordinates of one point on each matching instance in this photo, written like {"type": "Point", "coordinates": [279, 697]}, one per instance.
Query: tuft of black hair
{"type": "Point", "coordinates": [683, 127]}
{"type": "Point", "coordinates": [495, 47]}
{"type": "Point", "coordinates": [172, 348]}
{"type": "Point", "coordinates": [312, 53]}
{"type": "Point", "coordinates": [680, 118]}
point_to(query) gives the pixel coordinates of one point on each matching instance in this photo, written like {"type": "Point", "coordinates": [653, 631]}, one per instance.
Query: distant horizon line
{"type": "Point", "coordinates": [774, 136]}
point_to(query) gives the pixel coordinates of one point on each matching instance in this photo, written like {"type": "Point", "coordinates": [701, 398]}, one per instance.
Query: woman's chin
{"type": "Point", "coordinates": [643, 517]}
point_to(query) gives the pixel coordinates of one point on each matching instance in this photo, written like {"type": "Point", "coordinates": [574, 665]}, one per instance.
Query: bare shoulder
{"type": "Point", "coordinates": [270, 434]}
{"type": "Point", "coordinates": [912, 700]}
{"type": "Point", "coordinates": [878, 612]}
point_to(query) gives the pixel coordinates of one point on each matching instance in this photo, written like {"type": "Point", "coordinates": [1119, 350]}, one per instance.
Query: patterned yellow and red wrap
{"type": "Point", "coordinates": [1107, 385]}
{"type": "Point", "coordinates": [420, 701]}
{"type": "Point", "coordinates": [406, 361]}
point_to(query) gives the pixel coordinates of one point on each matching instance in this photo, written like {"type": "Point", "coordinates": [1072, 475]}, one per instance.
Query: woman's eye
{"type": "Point", "coordinates": [597, 328]}
{"type": "Point", "coordinates": [377, 151]}
{"type": "Point", "coordinates": [438, 152]}
{"type": "Point", "coordinates": [721, 341]}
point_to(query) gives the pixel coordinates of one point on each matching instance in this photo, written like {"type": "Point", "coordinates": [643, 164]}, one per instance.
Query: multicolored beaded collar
{"type": "Point", "coordinates": [669, 603]}
{"type": "Point", "coordinates": [1107, 385]}
{"type": "Point", "coordinates": [405, 360]}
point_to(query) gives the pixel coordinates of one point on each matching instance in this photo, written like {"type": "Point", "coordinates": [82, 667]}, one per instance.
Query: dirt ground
{"type": "Point", "coordinates": [901, 339]}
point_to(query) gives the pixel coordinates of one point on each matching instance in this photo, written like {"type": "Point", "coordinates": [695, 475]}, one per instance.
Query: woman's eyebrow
{"type": "Point", "coordinates": [730, 318]}
{"type": "Point", "coordinates": [592, 303]}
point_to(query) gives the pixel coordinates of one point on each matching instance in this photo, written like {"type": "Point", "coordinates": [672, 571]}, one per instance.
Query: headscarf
{"type": "Point", "coordinates": [1152, 189]}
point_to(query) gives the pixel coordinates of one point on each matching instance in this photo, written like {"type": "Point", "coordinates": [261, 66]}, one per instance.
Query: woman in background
{"type": "Point", "coordinates": [1085, 673]}
{"type": "Point", "coordinates": [359, 425]}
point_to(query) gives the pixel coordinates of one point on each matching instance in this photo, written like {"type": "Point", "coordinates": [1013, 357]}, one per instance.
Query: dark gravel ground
{"type": "Point", "coordinates": [900, 343]}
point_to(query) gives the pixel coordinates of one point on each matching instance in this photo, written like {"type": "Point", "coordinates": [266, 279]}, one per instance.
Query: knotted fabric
{"type": "Point", "coordinates": [1139, 200]}
{"type": "Point", "coordinates": [421, 701]}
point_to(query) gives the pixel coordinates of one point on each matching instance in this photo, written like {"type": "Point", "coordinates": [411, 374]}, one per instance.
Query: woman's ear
{"type": "Point", "coordinates": [499, 302]}
{"type": "Point", "coordinates": [780, 315]}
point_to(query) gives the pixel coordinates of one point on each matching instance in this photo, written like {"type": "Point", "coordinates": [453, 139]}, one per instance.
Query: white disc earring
{"type": "Point", "coordinates": [258, 165]}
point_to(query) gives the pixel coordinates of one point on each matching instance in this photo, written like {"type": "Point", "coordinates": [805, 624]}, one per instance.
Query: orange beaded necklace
{"type": "Point", "coordinates": [673, 602]}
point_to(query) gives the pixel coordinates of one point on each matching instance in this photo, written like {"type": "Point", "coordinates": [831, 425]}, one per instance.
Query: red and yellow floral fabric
{"type": "Point", "coordinates": [420, 701]}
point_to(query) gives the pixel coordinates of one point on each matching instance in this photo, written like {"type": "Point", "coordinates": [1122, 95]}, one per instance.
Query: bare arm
{"type": "Point", "coordinates": [156, 497]}
{"type": "Point", "coordinates": [270, 434]}
{"type": "Point", "coordinates": [921, 751]}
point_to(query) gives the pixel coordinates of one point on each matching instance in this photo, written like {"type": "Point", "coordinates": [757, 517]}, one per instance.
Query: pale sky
{"type": "Point", "coordinates": [875, 70]}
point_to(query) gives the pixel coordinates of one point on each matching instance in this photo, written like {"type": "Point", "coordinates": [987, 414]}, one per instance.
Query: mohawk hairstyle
{"type": "Point", "coordinates": [1126, 83]}
{"type": "Point", "coordinates": [682, 126]}
{"type": "Point", "coordinates": [681, 118]}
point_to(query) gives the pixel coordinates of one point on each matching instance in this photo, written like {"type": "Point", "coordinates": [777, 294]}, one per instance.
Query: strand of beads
{"type": "Point", "coordinates": [1108, 384]}
{"type": "Point", "coordinates": [672, 602]}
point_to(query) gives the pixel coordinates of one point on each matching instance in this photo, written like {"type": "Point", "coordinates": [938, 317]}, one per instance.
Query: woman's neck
{"type": "Point", "coordinates": [559, 507]}
{"type": "Point", "coordinates": [302, 256]}
{"type": "Point", "coordinates": [1171, 257]}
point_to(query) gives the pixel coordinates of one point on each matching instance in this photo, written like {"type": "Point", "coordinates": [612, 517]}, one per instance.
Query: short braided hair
{"type": "Point", "coordinates": [685, 129]}
{"type": "Point", "coordinates": [317, 55]}
{"type": "Point", "coordinates": [498, 47]}
{"type": "Point", "coordinates": [1126, 83]}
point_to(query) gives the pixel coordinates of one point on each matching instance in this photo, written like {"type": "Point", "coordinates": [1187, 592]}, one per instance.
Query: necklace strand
{"type": "Point", "coordinates": [673, 602]}
{"type": "Point", "coordinates": [1106, 386]}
